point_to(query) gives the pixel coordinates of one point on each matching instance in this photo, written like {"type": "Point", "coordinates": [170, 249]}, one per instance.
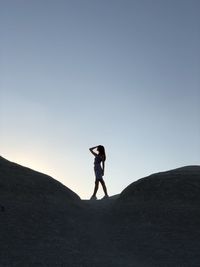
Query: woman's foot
{"type": "Point", "coordinates": [105, 197]}
{"type": "Point", "coordinates": [93, 198]}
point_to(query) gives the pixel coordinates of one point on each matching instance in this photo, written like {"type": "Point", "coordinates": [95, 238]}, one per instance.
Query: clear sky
{"type": "Point", "coordinates": [79, 73]}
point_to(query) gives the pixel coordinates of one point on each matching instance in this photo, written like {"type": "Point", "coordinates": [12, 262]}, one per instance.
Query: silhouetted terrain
{"type": "Point", "coordinates": [160, 217]}
{"type": "Point", "coordinates": [153, 222]}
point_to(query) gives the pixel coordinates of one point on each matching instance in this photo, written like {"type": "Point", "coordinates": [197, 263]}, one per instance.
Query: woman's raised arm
{"type": "Point", "coordinates": [91, 150]}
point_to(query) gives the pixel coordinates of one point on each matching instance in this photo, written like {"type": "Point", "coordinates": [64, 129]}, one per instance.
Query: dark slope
{"type": "Point", "coordinates": [37, 221]}
{"type": "Point", "coordinates": [153, 222]}
{"type": "Point", "coordinates": [178, 185]}
{"type": "Point", "coordinates": [19, 181]}
{"type": "Point", "coordinates": [159, 219]}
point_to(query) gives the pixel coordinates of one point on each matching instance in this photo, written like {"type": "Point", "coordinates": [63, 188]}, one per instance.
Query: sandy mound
{"type": "Point", "coordinates": [20, 182]}
{"type": "Point", "coordinates": [153, 222]}
{"type": "Point", "coordinates": [178, 185]}
{"type": "Point", "coordinates": [37, 218]}
{"type": "Point", "coordinates": [158, 219]}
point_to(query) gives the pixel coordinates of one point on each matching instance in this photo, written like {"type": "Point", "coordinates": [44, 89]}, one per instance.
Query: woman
{"type": "Point", "coordinates": [99, 166]}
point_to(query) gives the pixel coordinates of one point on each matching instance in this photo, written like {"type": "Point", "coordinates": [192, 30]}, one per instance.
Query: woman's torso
{"type": "Point", "coordinates": [97, 161]}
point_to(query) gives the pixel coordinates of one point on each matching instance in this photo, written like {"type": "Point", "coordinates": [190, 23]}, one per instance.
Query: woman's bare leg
{"type": "Point", "coordinates": [104, 187]}
{"type": "Point", "coordinates": [95, 188]}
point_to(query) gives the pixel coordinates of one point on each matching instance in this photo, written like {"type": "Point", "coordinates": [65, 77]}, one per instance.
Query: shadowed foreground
{"type": "Point", "coordinates": [154, 222]}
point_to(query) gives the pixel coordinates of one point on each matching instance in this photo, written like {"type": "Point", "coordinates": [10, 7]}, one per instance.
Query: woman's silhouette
{"type": "Point", "coordinates": [99, 166]}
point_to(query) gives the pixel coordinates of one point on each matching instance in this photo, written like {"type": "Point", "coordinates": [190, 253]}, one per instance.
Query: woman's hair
{"type": "Point", "coordinates": [102, 152]}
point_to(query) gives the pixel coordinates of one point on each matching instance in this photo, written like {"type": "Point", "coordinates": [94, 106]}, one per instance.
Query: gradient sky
{"type": "Point", "coordinates": [79, 73]}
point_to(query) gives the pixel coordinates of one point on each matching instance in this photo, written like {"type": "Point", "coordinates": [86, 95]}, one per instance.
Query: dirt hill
{"type": "Point", "coordinates": [160, 218]}
{"type": "Point", "coordinates": [153, 222]}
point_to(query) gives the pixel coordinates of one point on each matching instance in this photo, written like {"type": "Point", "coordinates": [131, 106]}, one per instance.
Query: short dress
{"type": "Point", "coordinates": [97, 168]}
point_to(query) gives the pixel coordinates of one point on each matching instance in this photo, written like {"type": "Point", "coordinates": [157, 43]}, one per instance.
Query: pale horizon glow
{"type": "Point", "coordinates": [124, 74]}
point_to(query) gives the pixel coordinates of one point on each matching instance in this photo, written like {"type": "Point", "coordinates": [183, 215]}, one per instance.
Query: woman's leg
{"type": "Point", "coordinates": [96, 188]}
{"type": "Point", "coordinates": [104, 187]}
